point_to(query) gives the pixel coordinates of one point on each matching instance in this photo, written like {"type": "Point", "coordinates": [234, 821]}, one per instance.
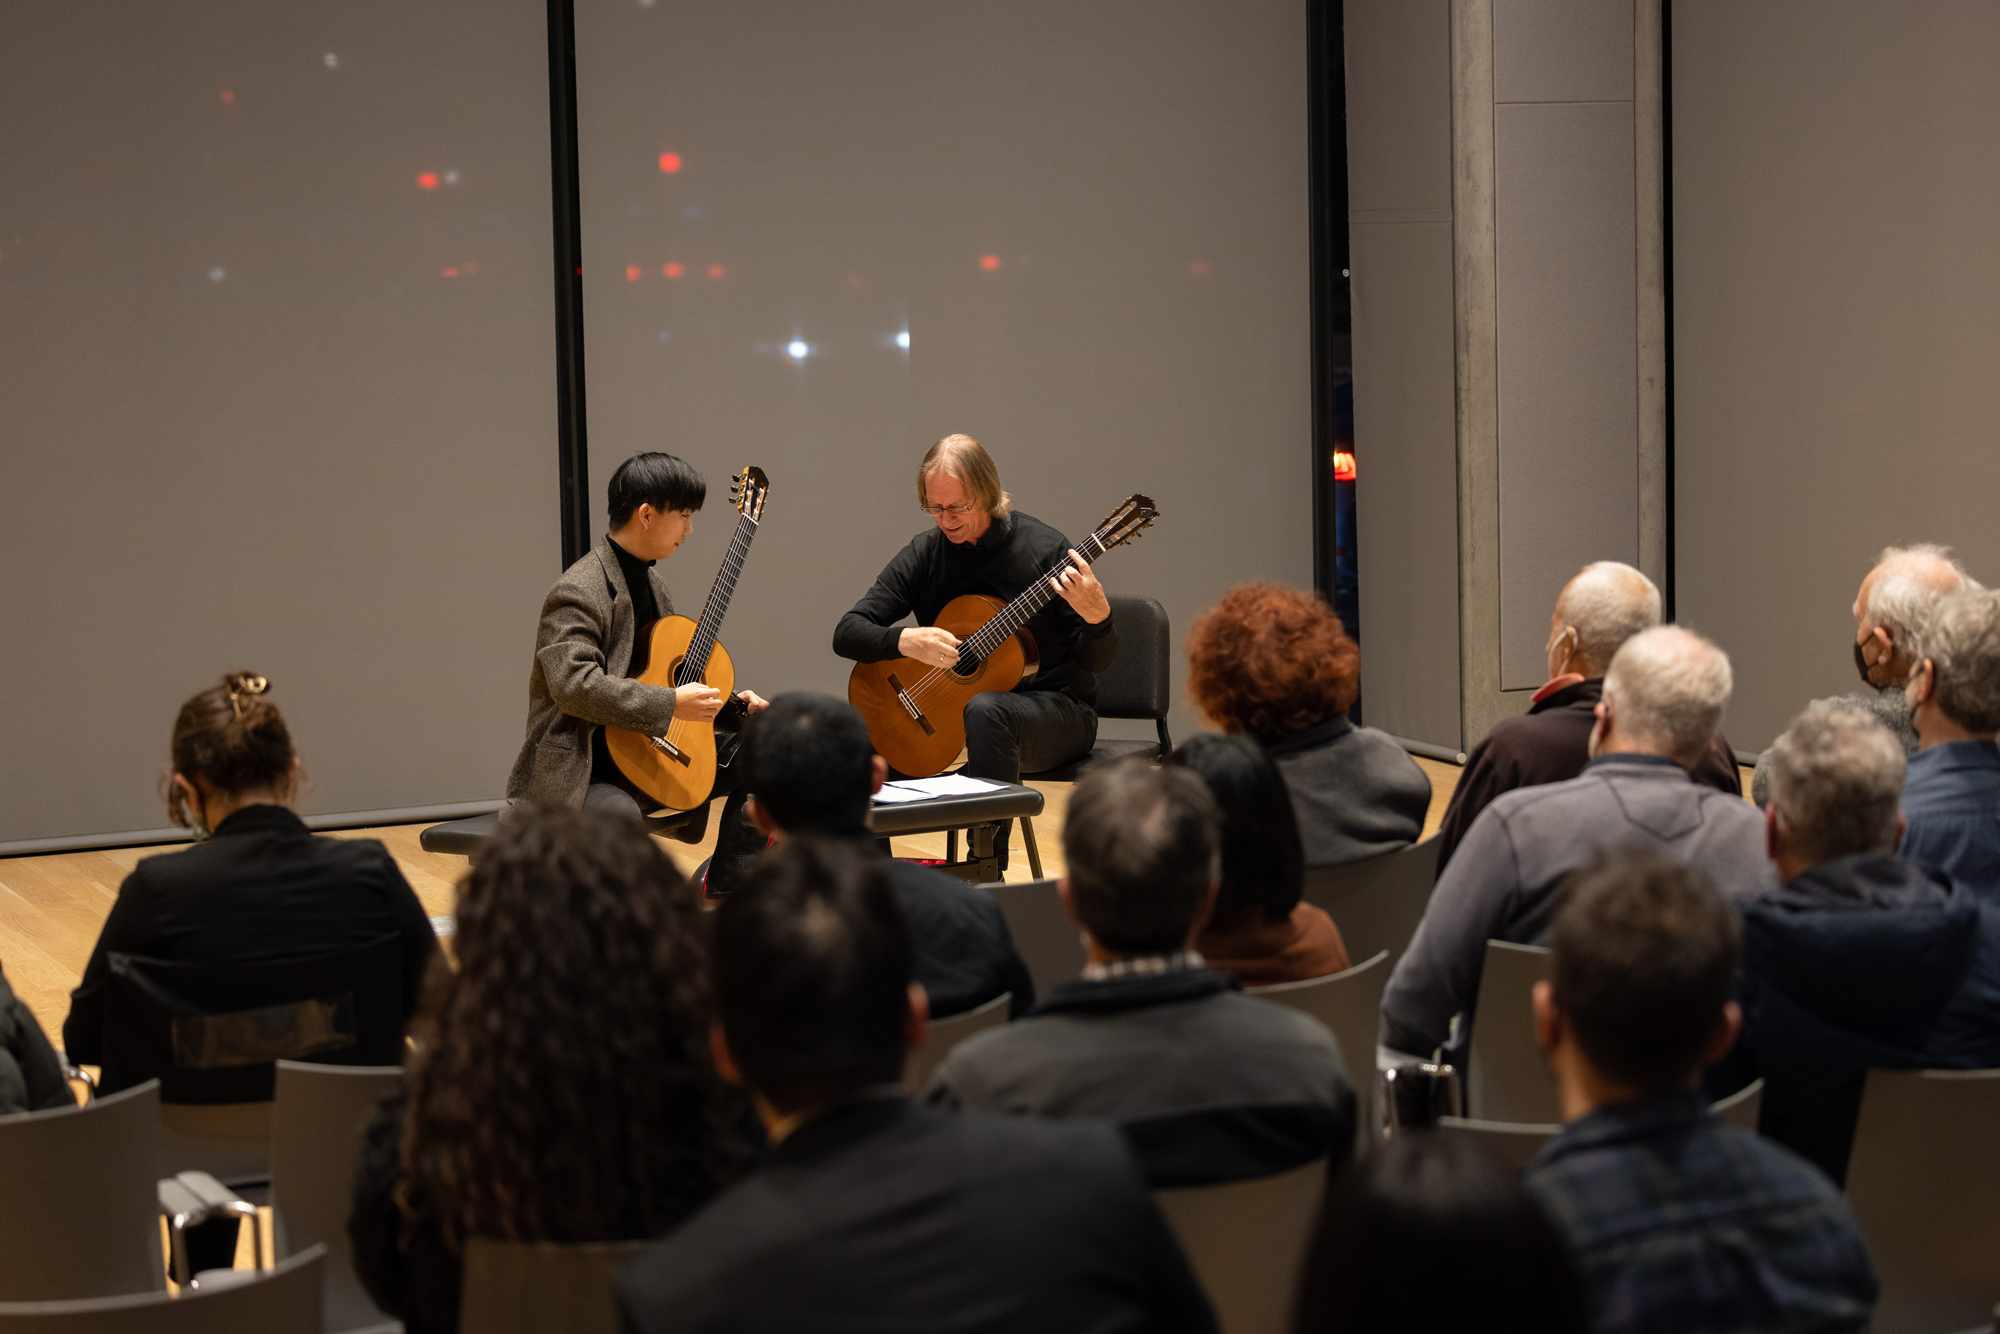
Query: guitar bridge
{"type": "Point", "coordinates": [910, 706]}
{"type": "Point", "coordinates": [670, 750]}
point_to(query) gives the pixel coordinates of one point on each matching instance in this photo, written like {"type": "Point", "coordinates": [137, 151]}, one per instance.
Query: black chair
{"type": "Point", "coordinates": [1135, 685]}
{"type": "Point", "coordinates": [212, 1034]}
{"type": "Point", "coordinates": [465, 838]}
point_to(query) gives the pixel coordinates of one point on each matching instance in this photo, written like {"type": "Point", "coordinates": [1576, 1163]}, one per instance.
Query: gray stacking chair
{"type": "Point", "coordinates": [1507, 1079]}
{"type": "Point", "coordinates": [1742, 1108]}
{"type": "Point", "coordinates": [284, 1300]}
{"type": "Point", "coordinates": [1924, 1180]}
{"type": "Point", "coordinates": [530, 1287]}
{"type": "Point", "coordinates": [941, 1035]}
{"type": "Point", "coordinates": [1049, 942]}
{"type": "Point", "coordinates": [82, 1214]}
{"type": "Point", "coordinates": [317, 1117]}
{"type": "Point", "coordinates": [1378, 901]}
{"type": "Point", "coordinates": [1512, 1142]}
{"type": "Point", "coordinates": [1246, 1242]}
{"type": "Point", "coordinates": [1349, 1003]}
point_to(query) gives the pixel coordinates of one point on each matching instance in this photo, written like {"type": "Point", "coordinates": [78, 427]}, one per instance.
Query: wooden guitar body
{"type": "Point", "coordinates": [680, 778]}
{"type": "Point", "coordinates": [921, 743]}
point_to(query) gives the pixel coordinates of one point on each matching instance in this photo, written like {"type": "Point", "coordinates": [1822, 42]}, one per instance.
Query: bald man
{"type": "Point", "coordinates": [1895, 598]}
{"type": "Point", "coordinates": [1596, 612]}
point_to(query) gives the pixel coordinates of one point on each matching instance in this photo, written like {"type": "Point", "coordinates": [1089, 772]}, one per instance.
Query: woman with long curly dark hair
{"type": "Point", "coordinates": [1275, 664]}
{"type": "Point", "coordinates": [560, 1086]}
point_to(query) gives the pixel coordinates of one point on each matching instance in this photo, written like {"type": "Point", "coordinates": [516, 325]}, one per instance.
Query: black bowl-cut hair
{"type": "Point", "coordinates": [660, 480]}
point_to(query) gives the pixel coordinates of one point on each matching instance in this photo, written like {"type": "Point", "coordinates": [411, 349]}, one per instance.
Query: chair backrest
{"type": "Point", "coordinates": [941, 1035]}
{"type": "Point", "coordinates": [1924, 1180]}
{"type": "Point", "coordinates": [1246, 1242]}
{"type": "Point", "coordinates": [1507, 1079]}
{"type": "Point", "coordinates": [519, 1287]}
{"type": "Point", "coordinates": [1510, 1141]}
{"type": "Point", "coordinates": [316, 1122]}
{"type": "Point", "coordinates": [1377, 901]}
{"type": "Point", "coordinates": [212, 1033]}
{"type": "Point", "coordinates": [1049, 942]}
{"type": "Point", "coordinates": [1742, 1108]}
{"type": "Point", "coordinates": [82, 1212]}
{"type": "Point", "coordinates": [1135, 684]}
{"type": "Point", "coordinates": [284, 1300]}
{"type": "Point", "coordinates": [1350, 1004]}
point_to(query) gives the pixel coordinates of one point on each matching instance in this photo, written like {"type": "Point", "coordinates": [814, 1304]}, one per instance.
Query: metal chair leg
{"type": "Point", "coordinates": [1034, 853]}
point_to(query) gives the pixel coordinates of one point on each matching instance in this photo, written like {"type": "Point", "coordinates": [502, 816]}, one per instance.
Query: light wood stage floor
{"type": "Point", "coordinates": [52, 907]}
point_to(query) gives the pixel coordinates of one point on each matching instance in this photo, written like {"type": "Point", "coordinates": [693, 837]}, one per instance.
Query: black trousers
{"type": "Point", "coordinates": [736, 840]}
{"type": "Point", "coordinates": [1024, 731]}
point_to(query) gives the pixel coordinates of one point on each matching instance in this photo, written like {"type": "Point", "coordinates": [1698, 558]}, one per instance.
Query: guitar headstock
{"type": "Point", "coordinates": [747, 490]}
{"type": "Point", "coordinates": [1133, 516]}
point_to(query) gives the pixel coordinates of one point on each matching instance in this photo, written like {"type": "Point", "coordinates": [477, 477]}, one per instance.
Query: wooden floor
{"type": "Point", "coordinates": [52, 907]}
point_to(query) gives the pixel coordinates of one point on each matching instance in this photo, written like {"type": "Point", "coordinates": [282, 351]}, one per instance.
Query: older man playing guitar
{"type": "Point", "coordinates": [981, 545]}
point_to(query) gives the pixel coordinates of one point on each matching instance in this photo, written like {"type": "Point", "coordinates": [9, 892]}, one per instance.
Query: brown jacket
{"type": "Point", "coordinates": [583, 647]}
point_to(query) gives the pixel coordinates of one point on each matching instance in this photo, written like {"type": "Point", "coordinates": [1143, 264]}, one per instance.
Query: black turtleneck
{"type": "Point", "coordinates": [639, 583]}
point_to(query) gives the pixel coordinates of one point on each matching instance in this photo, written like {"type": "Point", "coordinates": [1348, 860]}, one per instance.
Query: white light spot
{"type": "Point", "coordinates": [216, 275]}
{"type": "Point", "coordinates": [903, 340]}
{"type": "Point", "coordinates": [451, 178]}
{"type": "Point", "coordinates": [797, 349]}
{"type": "Point", "coordinates": [332, 60]}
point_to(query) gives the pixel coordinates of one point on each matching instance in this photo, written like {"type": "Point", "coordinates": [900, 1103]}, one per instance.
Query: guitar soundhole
{"type": "Point", "coordinates": [968, 666]}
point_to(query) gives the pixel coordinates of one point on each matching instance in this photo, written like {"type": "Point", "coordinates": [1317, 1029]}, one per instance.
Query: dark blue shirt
{"type": "Point", "coordinates": [1680, 1223]}
{"type": "Point", "coordinates": [1952, 801]}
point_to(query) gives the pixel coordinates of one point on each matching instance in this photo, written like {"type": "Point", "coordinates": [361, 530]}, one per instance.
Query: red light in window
{"type": "Point", "coordinates": [632, 272]}
{"type": "Point", "coordinates": [673, 270]}
{"type": "Point", "coordinates": [228, 97]}
{"type": "Point", "coordinates": [1343, 466]}
{"type": "Point", "coordinates": [427, 181]}
{"type": "Point", "coordinates": [670, 163]}
{"type": "Point", "coordinates": [989, 262]}
{"type": "Point", "coordinates": [717, 271]}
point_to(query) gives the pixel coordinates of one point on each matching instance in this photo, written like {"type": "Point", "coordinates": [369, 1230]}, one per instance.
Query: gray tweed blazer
{"type": "Point", "coordinates": [582, 650]}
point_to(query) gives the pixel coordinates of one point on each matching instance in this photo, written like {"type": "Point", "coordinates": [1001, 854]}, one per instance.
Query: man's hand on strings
{"type": "Point", "coordinates": [1079, 588]}
{"type": "Point", "coordinates": [929, 645]}
{"type": "Point", "coordinates": [697, 702]}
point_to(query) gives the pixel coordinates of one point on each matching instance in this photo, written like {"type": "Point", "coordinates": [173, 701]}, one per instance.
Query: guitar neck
{"type": "Point", "coordinates": [709, 628]}
{"type": "Point", "coordinates": [1023, 608]}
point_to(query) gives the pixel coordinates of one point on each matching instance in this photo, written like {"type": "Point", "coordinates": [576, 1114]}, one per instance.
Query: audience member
{"type": "Point", "coordinates": [1864, 960]}
{"type": "Point", "coordinates": [1207, 1083]}
{"type": "Point", "coordinates": [561, 1087]}
{"type": "Point", "coordinates": [1894, 599]}
{"type": "Point", "coordinates": [1596, 612]}
{"type": "Point", "coordinates": [1275, 664]}
{"type": "Point", "coordinates": [1663, 699]}
{"type": "Point", "coordinates": [1952, 795]}
{"type": "Point", "coordinates": [257, 885]}
{"type": "Point", "coordinates": [1260, 932]}
{"type": "Point", "coordinates": [1677, 1221]}
{"type": "Point", "coordinates": [1428, 1234]}
{"type": "Point", "coordinates": [811, 769]}
{"type": "Point", "coordinates": [872, 1212]}
{"type": "Point", "coordinates": [31, 1074]}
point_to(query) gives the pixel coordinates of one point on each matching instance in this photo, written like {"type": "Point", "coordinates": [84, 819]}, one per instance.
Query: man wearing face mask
{"type": "Point", "coordinates": [1596, 612]}
{"type": "Point", "coordinates": [1893, 601]}
{"type": "Point", "coordinates": [1663, 698]}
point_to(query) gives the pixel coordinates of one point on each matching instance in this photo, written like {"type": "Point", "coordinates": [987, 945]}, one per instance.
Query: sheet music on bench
{"type": "Point", "coordinates": [922, 789]}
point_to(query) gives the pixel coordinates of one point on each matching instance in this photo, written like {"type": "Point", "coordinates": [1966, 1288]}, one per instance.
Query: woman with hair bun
{"type": "Point", "coordinates": [1274, 664]}
{"type": "Point", "coordinates": [257, 885]}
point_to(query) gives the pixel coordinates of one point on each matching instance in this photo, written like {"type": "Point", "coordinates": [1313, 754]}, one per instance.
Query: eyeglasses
{"type": "Point", "coordinates": [935, 510]}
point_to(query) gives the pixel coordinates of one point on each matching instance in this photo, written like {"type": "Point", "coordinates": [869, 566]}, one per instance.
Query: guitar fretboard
{"type": "Point", "coordinates": [1022, 609]}
{"type": "Point", "coordinates": [709, 628]}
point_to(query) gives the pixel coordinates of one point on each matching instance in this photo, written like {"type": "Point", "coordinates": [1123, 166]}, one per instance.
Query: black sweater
{"type": "Point", "coordinates": [262, 889]}
{"type": "Point", "coordinates": [932, 570]}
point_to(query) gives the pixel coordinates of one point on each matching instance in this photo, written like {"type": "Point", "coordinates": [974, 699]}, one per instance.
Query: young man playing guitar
{"type": "Point", "coordinates": [982, 545]}
{"type": "Point", "coordinates": [583, 649]}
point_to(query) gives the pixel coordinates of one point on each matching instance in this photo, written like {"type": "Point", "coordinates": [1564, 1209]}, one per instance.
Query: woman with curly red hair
{"type": "Point", "coordinates": [1275, 664]}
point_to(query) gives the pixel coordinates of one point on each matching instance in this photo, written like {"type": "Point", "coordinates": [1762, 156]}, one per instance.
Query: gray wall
{"type": "Point", "coordinates": [249, 421]}
{"type": "Point", "coordinates": [1140, 171]}
{"type": "Point", "coordinates": [1836, 185]}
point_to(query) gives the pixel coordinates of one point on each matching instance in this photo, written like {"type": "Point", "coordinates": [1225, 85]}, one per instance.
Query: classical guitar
{"type": "Point", "coordinates": [678, 769]}
{"type": "Point", "coordinates": [916, 712]}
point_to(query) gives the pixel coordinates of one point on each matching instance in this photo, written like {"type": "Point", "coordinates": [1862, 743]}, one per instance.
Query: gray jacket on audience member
{"type": "Point", "coordinates": [1208, 1084]}
{"type": "Point", "coordinates": [31, 1074]}
{"type": "Point", "coordinates": [1356, 792]}
{"type": "Point", "coordinates": [1502, 881]}
{"type": "Point", "coordinates": [583, 647]}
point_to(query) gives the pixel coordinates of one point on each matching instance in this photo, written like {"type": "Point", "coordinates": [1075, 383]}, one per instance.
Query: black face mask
{"type": "Point", "coordinates": [1861, 665]}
